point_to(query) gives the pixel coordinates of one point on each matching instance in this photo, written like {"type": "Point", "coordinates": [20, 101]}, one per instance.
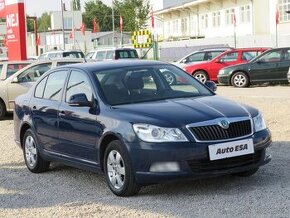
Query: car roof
{"type": "Point", "coordinates": [106, 65]}
{"type": "Point", "coordinates": [16, 62]}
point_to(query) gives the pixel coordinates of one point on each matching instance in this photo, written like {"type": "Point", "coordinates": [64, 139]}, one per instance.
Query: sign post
{"type": "Point", "coordinates": [16, 29]}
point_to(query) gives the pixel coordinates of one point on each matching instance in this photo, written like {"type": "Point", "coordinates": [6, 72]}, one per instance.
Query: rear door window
{"type": "Point", "coordinates": [54, 85]}
{"type": "Point", "coordinates": [195, 57]}
{"type": "Point", "coordinates": [110, 55]}
{"type": "Point", "coordinates": [230, 57]}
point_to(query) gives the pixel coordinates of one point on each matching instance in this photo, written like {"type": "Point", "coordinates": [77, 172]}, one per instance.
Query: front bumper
{"type": "Point", "coordinates": [193, 159]}
{"type": "Point", "coordinates": [224, 79]}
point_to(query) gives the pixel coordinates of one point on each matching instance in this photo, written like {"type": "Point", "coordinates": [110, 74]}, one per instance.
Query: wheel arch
{"type": "Point", "coordinates": [105, 141]}
{"type": "Point", "coordinates": [23, 130]}
{"type": "Point", "coordinates": [207, 75]}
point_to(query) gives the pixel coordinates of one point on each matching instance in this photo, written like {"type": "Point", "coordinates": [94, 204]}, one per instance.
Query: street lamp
{"type": "Point", "coordinates": [113, 15]}
{"type": "Point", "coordinates": [63, 37]}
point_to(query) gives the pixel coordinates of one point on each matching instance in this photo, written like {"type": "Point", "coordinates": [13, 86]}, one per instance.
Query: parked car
{"type": "Point", "coordinates": [8, 68]}
{"type": "Point", "coordinates": [61, 54]}
{"type": "Point", "coordinates": [112, 54]}
{"type": "Point", "coordinates": [271, 66]}
{"type": "Point", "coordinates": [21, 81]}
{"type": "Point", "coordinates": [124, 119]}
{"type": "Point", "coordinates": [200, 56]}
{"type": "Point", "coordinates": [209, 70]}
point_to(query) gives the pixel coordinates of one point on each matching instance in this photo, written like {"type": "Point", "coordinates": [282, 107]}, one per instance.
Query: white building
{"type": "Point", "coordinates": [208, 19]}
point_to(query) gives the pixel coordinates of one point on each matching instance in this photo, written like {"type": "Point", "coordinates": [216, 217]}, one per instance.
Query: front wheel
{"type": "Point", "coordinates": [201, 76]}
{"type": "Point", "coordinates": [34, 162]}
{"type": "Point", "coordinates": [118, 171]}
{"type": "Point", "coordinates": [240, 80]}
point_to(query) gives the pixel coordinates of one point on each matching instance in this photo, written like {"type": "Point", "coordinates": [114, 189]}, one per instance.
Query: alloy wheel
{"type": "Point", "coordinates": [30, 151]}
{"type": "Point", "coordinates": [116, 169]}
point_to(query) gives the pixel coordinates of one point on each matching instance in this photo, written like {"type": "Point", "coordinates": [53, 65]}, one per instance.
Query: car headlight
{"type": "Point", "coordinates": [151, 133]}
{"type": "Point", "coordinates": [221, 72]}
{"type": "Point", "coordinates": [259, 123]}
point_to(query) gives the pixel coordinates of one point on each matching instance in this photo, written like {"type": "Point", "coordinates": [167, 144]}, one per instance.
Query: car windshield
{"type": "Point", "coordinates": [129, 85]}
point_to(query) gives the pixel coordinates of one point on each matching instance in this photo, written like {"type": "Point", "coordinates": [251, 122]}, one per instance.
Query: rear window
{"type": "Point", "coordinates": [126, 54]}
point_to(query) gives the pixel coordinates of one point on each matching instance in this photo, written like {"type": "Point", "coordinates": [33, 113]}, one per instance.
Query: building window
{"type": "Point", "coordinates": [204, 21]}
{"type": "Point", "coordinates": [67, 23]}
{"type": "Point", "coordinates": [184, 26]}
{"type": "Point", "coordinates": [175, 26]}
{"type": "Point", "coordinates": [284, 5]}
{"type": "Point", "coordinates": [230, 14]}
{"type": "Point", "coordinates": [245, 14]}
{"type": "Point", "coordinates": [216, 19]}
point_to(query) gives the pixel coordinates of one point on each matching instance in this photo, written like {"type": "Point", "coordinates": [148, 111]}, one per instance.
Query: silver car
{"type": "Point", "coordinates": [20, 82]}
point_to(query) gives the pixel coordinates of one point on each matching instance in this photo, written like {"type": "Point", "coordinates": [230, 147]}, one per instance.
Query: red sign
{"type": "Point", "coordinates": [16, 30]}
{"type": "Point", "coordinates": [2, 8]}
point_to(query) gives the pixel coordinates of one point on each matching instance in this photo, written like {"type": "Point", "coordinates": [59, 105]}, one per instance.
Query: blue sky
{"type": "Point", "coordinates": [37, 7]}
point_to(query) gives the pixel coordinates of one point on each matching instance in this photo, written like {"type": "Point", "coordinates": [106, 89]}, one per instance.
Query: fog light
{"type": "Point", "coordinates": [165, 167]}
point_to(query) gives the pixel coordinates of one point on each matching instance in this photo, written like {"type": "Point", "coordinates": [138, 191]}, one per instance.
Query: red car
{"type": "Point", "coordinates": [208, 70]}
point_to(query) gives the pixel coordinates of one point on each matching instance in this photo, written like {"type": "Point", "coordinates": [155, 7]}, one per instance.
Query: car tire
{"type": "Point", "coordinates": [247, 173]}
{"type": "Point", "coordinates": [2, 110]}
{"type": "Point", "coordinates": [118, 170]}
{"type": "Point", "coordinates": [240, 80]}
{"type": "Point", "coordinates": [170, 77]}
{"type": "Point", "coordinates": [200, 75]}
{"type": "Point", "coordinates": [33, 160]}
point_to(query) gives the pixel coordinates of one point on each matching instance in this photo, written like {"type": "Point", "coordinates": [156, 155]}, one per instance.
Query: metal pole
{"type": "Point", "coordinates": [63, 37]}
{"type": "Point", "coordinates": [276, 35]}
{"type": "Point", "coordinates": [73, 28]}
{"type": "Point", "coordinates": [113, 15]}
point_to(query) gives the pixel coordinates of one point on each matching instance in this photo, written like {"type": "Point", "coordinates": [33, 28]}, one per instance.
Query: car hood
{"type": "Point", "coordinates": [180, 112]}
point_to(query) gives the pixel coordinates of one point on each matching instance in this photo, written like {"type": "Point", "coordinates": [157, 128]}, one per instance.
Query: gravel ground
{"type": "Point", "coordinates": [68, 192]}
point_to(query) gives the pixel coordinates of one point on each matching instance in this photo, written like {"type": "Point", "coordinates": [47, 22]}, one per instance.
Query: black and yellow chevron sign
{"type": "Point", "coordinates": [142, 39]}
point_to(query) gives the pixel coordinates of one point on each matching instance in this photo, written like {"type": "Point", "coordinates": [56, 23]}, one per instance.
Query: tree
{"type": "Point", "coordinates": [44, 22]}
{"type": "Point", "coordinates": [102, 13]}
{"type": "Point", "coordinates": [76, 5]}
{"type": "Point", "coordinates": [135, 13]}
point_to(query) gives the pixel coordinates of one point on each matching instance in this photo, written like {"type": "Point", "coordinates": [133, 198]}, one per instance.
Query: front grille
{"type": "Point", "coordinates": [215, 132]}
{"type": "Point", "coordinates": [223, 164]}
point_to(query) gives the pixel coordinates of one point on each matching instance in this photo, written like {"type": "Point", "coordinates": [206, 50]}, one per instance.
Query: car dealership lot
{"type": "Point", "coordinates": [65, 191]}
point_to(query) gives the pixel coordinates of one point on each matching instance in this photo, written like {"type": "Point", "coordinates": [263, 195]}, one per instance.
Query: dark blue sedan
{"type": "Point", "coordinates": [126, 119]}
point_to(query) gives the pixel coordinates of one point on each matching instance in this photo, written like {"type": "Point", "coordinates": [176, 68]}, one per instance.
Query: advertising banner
{"type": "Point", "coordinates": [2, 9]}
{"type": "Point", "coordinates": [16, 29]}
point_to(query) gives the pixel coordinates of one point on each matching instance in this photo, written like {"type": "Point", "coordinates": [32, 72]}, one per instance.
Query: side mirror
{"type": "Point", "coordinates": [260, 61]}
{"type": "Point", "coordinates": [211, 85]}
{"type": "Point", "coordinates": [184, 61]}
{"type": "Point", "coordinates": [15, 80]}
{"type": "Point", "coordinates": [219, 61]}
{"type": "Point", "coordinates": [79, 100]}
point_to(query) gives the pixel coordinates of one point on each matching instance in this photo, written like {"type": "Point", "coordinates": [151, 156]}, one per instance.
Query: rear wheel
{"type": "Point", "coordinates": [201, 76]}
{"type": "Point", "coordinates": [118, 171]}
{"type": "Point", "coordinates": [2, 110]}
{"type": "Point", "coordinates": [240, 80]}
{"type": "Point", "coordinates": [33, 160]}
{"type": "Point", "coordinates": [247, 173]}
